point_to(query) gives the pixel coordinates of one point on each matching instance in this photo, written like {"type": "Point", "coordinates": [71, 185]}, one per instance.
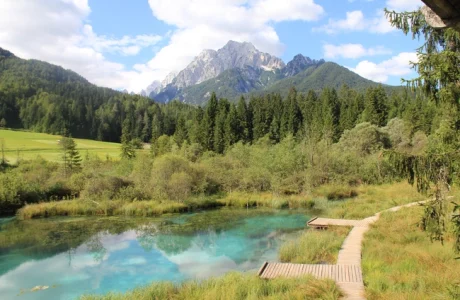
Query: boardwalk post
{"type": "Point", "coordinates": [262, 269]}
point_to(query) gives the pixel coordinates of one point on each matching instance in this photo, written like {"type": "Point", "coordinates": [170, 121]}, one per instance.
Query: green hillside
{"type": "Point", "coordinates": [316, 78]}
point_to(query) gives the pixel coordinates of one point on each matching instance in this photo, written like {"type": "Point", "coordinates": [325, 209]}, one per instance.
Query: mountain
{"type": "Point", "coordinates": [210, 64]}
{"type": "Point", "coordinates": [240, 69]}
{"type": "Point", "coordinates": [318, 76]}
{"type": "Point", "coordinates": [155, 87]}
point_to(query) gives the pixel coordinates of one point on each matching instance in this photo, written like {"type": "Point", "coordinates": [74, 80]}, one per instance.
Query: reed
{"type": "Point", "coordinates": [314, 247]}
{"type": "Point", "coordinates": [233, 286]}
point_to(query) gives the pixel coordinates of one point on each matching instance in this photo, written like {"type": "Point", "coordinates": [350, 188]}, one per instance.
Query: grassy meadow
{"type": "Point", "coordinates": [400, 261]}
{"type": "Point", "coordinates": [28, 145]}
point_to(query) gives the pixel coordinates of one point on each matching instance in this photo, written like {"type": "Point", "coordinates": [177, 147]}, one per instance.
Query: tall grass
{"type": "Point", "coordinates": [400, 261]}
{"type": "Point", "coordinates": [370, 200]}
{"type": "Point", "coordinates": [269, 200]}
{"type": "Point", "coordinates": [314, 247]}
{"type": "Point", "coordinates": [233, 286]}
{"type": "Point", "coordinates": [79, 207]}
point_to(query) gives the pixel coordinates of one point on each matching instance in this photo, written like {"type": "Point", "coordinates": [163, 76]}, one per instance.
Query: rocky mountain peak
{"type": "Point", "coordinates": [210, 63]}
{"type": "Point", "coordinates": [298, 64]}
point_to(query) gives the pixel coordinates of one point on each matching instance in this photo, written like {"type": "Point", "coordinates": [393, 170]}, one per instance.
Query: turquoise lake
{"type": "Point", "coordinates": [75, 256]}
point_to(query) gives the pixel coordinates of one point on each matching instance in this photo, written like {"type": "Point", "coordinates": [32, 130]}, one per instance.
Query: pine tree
{"type": "Point", "coordinates": [70, 156]}
{"type": "Point", "coordinates": [146, 129]}
{"type": "Point", "coordinates": [231, 127]}
{"type": "Point", "coordinates": [244, 121]}
{"type": "Point", "coordinates": [208, 123]}
{"type": "Point", "coordinates": [219, 128]}
{"type": "Point", "coordinates": [277, 112]}
{"type": "Point", "coordinates": [180, 135]}
{"type": "Point", "coordinates": [195, 133]}
{"type": "Point", "coordinates": [375, 107]}
{"type": "Point", "coordinates": [330, 112]}
{"type": "Point", "coordinates": [156, 126]}
{"type": "Point", "coordinates": [127, 147]}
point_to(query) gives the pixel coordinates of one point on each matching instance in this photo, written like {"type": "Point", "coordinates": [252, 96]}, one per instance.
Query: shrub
{"type": "Point", "coordinates": [104, 187]}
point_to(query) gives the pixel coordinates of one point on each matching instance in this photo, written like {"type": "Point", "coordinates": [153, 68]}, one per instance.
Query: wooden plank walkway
{"type": "Point", "coordinates": [347, 272]}
{"type": "Point", "coordinates": [339, 273]}
{"type": "Point", "coordinates": [336, 222]}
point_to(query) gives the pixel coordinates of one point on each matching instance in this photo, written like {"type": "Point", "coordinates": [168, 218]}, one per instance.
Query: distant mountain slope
{"type": "Point", "coordinates": [239, 68]}
{"type": "Point", "coordinates": [317, 77]}
{"type": "Point", "coordinates": [251, 81]}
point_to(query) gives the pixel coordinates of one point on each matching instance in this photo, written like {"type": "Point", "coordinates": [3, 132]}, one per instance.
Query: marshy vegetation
{"type": "Point", "coordinates": [290, 174]}
{"type": "Point", "coordinates": [401, 262]}
{"type": "Point", "coordinates": [233, 286]}
{"type": "Point", "coordinates": [315, 247]}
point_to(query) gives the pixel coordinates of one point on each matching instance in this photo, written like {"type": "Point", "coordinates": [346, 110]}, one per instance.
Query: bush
{"type": "Point", "coordinates": [104, 187]}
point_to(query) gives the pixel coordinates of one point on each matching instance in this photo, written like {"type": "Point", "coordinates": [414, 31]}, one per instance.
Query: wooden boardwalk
{"type": "Point", "coordinates": [347, 272]}
{"type": "Point", "coordinates": [335, 222]}
{"type": "Point", "coordinates": [339, 273]}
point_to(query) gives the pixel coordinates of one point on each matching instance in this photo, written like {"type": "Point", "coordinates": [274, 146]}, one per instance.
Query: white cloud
{"type": "Point", "coordinates": [126, 45]}
{"type": "Point", "coordinates": [352, 51]}
{"type": "Point", "coordinates": [204, 24]}
{"type": "Point", "coordinates": [396, 66]}
{"type": "Point", "coordinates": [356, 21]}
{"type": "Point", "coordinates": [403, 5]}
{"type": "Point", "coordinates": [55, 31]}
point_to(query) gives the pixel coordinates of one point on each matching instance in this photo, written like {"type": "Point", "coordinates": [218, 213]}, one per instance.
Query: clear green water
{"type": "Point", "coordinates": [96, 255]}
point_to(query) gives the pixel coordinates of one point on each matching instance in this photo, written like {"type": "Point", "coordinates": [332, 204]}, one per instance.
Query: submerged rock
{"type": "Point", "coordinates": [39, 288]}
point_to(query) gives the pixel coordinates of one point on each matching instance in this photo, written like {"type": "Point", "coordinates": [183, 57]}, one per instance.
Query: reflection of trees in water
{"type": "Point", "coordinates": [207, 240]}
{"type": "Point", "coordinates": [173, 244]}
{"type": "Point", "coordinates": [146, 236]}
{"type": "Point", "coordinates": [96, 248]}
{"type": "Point", "coordinates": [70, 252]}
{"type": "Point", "coordinates": [163, 237]}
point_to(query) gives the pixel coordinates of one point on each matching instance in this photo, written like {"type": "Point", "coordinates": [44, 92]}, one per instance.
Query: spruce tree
{"type": "Point", "coordinates": [330, 112]}
{"type": "Point", "coordinates": [156, 127]}
{"type": "Point", "coordinates": [127, 147]}
{"type": "Point", "coordinates": [376, 110]}
{"type": "Point", "coordinates": [231, 127]}
{"type": "Point", "coordinates": [437, 168]}
{"type": "Point", "coordinates": [180, 135]}
{"type": "Point", "coordinates": [219, 128]}
{"type": "Point", "coordinates": [207, 126]}
{"type": "Point", "coordinates": [244, 127]}
{"type": "Point", "coordinates": [70, 156]}
{"type": "Point", "coordinates": [277, 112]}
{"type": "Point", "coordinates": [146, 129]}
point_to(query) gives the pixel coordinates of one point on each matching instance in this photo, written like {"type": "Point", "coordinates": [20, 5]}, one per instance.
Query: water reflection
{"type": "Point", "coordinates": [81, 256]}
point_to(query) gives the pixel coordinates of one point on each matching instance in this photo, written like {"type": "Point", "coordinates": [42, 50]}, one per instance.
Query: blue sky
{"type": "Point", "coordinates": [128, 44]}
